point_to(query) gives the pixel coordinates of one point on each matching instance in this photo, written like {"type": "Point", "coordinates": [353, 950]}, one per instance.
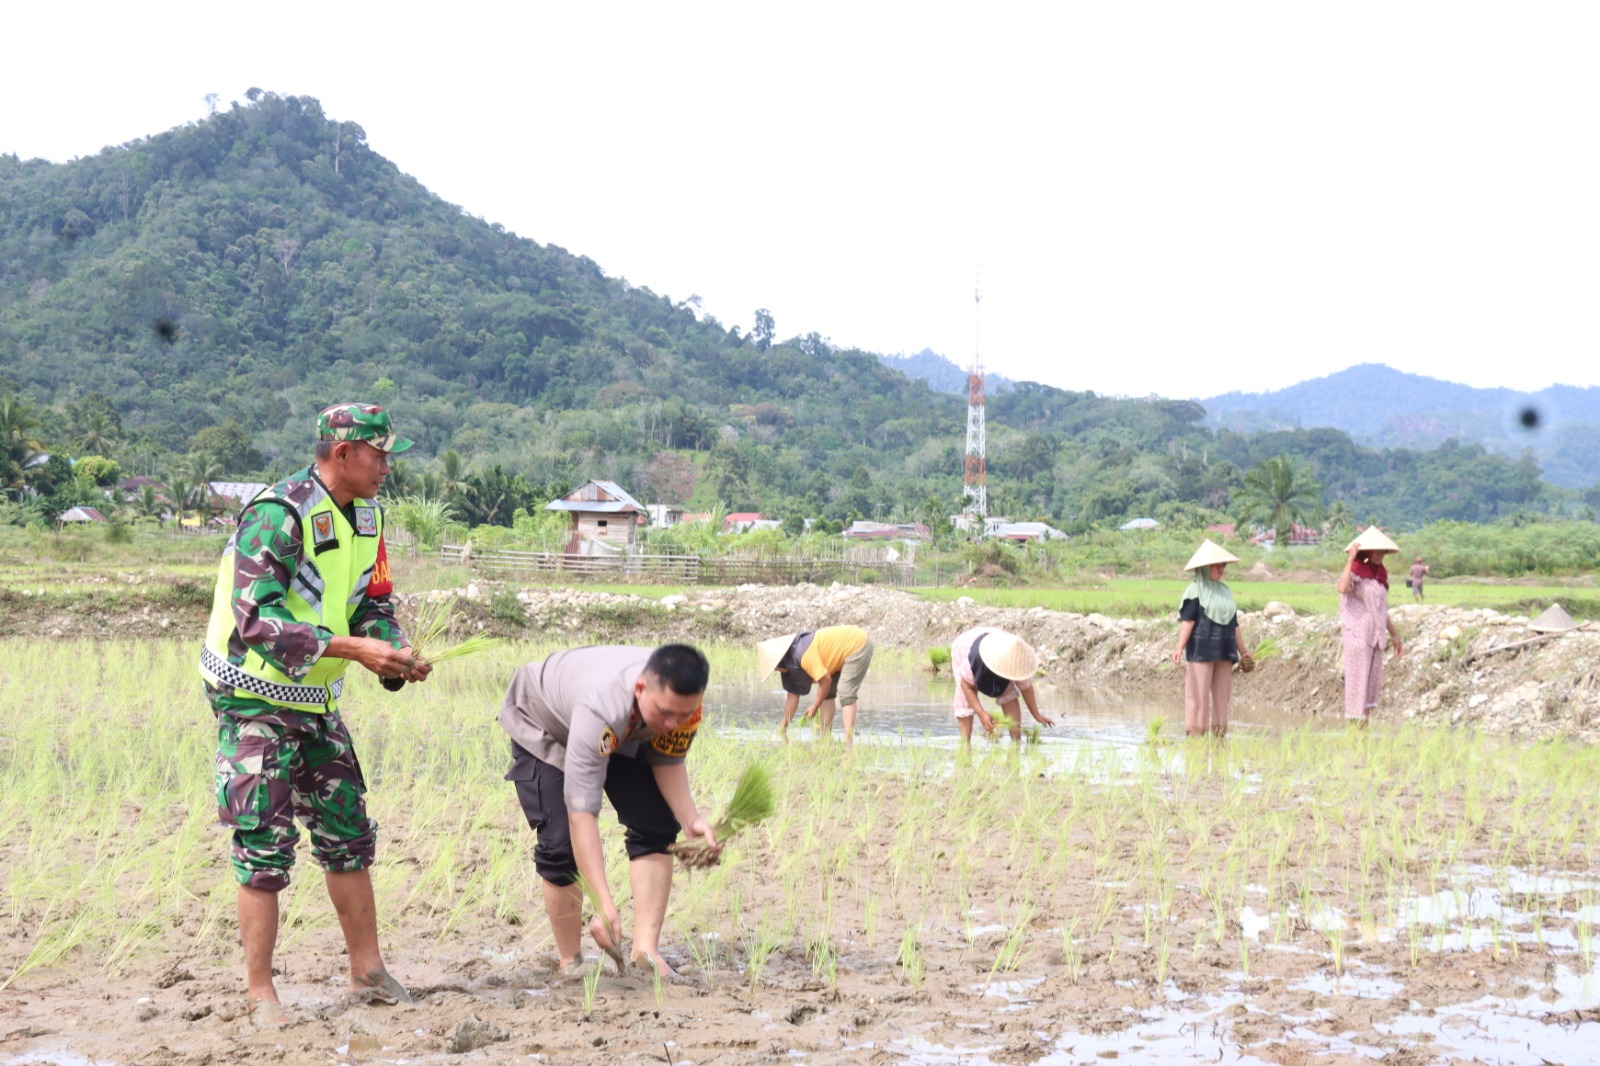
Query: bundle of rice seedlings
{"type": "Point", "coordinates": [1003, 721]}
{"type": "Point", "coordinates": [432, 625]}
{"type": "Point", "coordinates": [753, 801]}
{"type": "Point", "coordinates": [1266, 649]}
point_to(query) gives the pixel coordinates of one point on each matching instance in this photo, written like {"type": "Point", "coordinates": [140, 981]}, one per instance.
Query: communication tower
{"type": "Point", "coordinates": [975, 489]}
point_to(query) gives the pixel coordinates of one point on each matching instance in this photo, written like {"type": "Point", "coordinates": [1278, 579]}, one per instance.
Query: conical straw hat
{"type": "Point", "coordinates": [1010, 657]}
{"type": "Point", "coordinates": [770, 652]}
{"type": "Point", "coordinates": [1209, 553]}
{"type": "Point", "coordinates": [1555, 619]}
{"type": "Point", "coordinates": [1373, 539]}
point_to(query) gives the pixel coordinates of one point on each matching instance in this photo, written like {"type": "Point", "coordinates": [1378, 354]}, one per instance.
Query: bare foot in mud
{"type": "Point", "coordinates": [379, 986]}
{"type": "Point", "coordinates": [655, 965]}
{"type": "Point", "coordinates": [267, 1014]}
{"type": "Point", "coordinates": [603, 939]}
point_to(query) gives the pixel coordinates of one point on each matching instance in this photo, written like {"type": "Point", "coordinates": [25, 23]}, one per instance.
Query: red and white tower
{"type": "Point", "coordinates": [975, 487]}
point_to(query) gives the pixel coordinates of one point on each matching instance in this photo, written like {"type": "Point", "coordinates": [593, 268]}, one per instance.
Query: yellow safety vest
{"type": "Point", "coordinates": [336, 566]}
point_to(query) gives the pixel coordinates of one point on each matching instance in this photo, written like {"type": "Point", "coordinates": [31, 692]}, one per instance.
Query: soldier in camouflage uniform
{"type": "Point", "coordinates": [303, 590]}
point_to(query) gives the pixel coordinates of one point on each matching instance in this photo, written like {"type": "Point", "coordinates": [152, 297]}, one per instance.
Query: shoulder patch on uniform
{"type": "Point", "coordinates": [366, 521]}
{"type": "Point", "coordinates": [676, 743]}
{"type": "Point", "coordinates": [608, 741]}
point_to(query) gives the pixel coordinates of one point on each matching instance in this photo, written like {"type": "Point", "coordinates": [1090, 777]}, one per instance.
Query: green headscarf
{"type": "Point", "coordinates": [1216, 598]}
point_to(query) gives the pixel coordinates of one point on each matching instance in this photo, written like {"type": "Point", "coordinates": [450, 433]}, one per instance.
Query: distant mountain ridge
{"type": "Point", "coordinates": [1383, 407]}
{"type": "Point", "coordinates": [942, 373]}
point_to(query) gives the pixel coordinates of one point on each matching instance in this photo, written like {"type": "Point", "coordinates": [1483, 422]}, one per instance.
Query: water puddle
{"type": "Point", "coordinates": [914, 704]}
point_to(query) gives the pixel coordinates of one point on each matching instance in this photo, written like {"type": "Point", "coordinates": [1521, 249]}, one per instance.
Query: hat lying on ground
{"type": "Point", "coordinates": [1555, 619]}
{"type": "Point", "coordinates": [1373, 539]}
{"type": "Point", "coordinates": [771, 652]}
{"type": "Point", "coordinates": [1009, 656]}
{"type": "Point", "coordinates": [1208, 553]}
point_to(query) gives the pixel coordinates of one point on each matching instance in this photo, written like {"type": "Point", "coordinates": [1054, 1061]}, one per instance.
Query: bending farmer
{"type": "Point", "coordinates": [302, 591]}
{"type": "Point", "coordinates": [836, 658]}
{"type": "Point", "coordinates": [989, 662]}
{"type": "Point", "coordinates": [617, 721]}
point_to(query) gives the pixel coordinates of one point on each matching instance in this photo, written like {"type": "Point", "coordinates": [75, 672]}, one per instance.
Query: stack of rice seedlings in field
{"type": "Point", "coordinates": [753, 801]}
{"type": "Point", "coordinates": [432, 627]}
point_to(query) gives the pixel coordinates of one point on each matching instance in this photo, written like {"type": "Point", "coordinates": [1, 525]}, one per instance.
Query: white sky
{"type": "Point", "coordinates": [1179, 198]}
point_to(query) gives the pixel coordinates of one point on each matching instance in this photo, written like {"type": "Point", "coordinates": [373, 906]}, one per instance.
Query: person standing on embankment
{"type": "Point", "coordinates": [1364, 621]}
{"type": "Point", "coordinates": [835, 658]}
{"type": "Point", "coordinates": [302, 591]}
{"type": "Point", "coordinates": [617, 722]}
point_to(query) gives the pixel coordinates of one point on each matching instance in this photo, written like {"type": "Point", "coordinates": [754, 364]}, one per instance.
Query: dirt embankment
{"type": "Point", "coordinates": [1450, 674]}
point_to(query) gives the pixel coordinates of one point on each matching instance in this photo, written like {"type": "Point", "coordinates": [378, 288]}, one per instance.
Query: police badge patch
{"type": "Point", "coordinates": [608, 742]}
{"type": "Point", "coordinates": [366, 521]}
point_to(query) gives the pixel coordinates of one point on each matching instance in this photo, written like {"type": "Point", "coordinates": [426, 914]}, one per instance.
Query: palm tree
{"type": "Point", "coordinates": [100, 436]}
{"type": "Point", "coordinates": [1339, 517]}
{"type": "Point", "coordinates": [149, 504]}
{"type": "Point", "coordinates": [1277, 493]}
{"type": "Point", "coordinates": [182, 489]}
{"type": "Point", "coordinates": [455, 474]}
{"type": "Point", "coordinates": [203, 470]}
{"type": "Point", "coordinates": [19, 445]}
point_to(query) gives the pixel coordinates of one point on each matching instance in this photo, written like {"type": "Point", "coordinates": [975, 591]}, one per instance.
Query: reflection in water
{"type": "Point", "coordinates": [914, 703]}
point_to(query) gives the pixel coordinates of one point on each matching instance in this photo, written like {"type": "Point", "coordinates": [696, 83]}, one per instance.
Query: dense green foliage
{"type": "Point", "coordinates": [182, 305]}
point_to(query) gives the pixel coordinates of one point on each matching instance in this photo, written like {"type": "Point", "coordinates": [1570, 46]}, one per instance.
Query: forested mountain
{"type": "Point", "coordinates": [1383, 407]}
{"type": "Point", "coordinates": [190, 300]}
{"type": "Point", "coordinates": [942, 373]}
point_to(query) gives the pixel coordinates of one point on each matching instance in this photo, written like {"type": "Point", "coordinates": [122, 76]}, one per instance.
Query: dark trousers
{"type": "Point", "coordinates": [630, 786]}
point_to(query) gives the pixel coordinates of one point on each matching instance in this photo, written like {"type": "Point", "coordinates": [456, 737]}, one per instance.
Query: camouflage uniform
{"type": "Point", "coordinates": [273, 762]}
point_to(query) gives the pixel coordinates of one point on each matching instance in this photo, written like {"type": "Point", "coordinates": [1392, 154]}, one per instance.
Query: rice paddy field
{"type": "Point", "coordinates": [1131, 597]}
{"type": "Point", "coordinates": [1291, 895]}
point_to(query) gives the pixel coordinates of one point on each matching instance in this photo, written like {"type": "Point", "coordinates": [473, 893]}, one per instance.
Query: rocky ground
{"type": "Point", "coordinates": [1451, 672]}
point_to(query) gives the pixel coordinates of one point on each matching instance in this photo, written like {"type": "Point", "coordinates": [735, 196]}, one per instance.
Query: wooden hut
{"type": "Point", "coordinates": [602, 511]}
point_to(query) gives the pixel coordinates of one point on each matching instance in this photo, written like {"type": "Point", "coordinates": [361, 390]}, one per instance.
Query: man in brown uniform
{"type": "Point", "coordinates": [617, 721]}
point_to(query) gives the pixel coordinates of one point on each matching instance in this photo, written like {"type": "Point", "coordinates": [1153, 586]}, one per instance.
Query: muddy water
{"type": "Point", "coordinates": [914, 704]}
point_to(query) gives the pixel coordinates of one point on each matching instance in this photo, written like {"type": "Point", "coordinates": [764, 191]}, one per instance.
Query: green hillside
{"type": "Point", "coordinates": [187, 301]}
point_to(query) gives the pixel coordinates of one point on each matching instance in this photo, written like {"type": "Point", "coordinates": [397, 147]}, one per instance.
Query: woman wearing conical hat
{"type": "Point", "coordinates": [1364, 621]}
{"type": "Point", "coordinates": [1209, 642]}
{"type": "Point", "coordinates": [990, 662]}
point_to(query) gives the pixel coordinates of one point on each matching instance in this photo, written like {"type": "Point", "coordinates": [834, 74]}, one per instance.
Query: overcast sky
{"type": "Point", "coordinates": [1175, 198]}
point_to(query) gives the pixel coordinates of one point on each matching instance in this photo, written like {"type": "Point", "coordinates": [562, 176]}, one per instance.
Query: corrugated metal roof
{"type": "Point", "coordinates": [605, 497]}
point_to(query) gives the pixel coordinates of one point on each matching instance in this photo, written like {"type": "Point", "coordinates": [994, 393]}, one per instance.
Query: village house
{"type": "Point", "coordinates": [603, 517]}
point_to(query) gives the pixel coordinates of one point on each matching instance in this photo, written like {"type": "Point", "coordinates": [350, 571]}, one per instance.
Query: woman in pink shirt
{"type": "Point", "coordinates": [1364, 619]}
{"type": "Point", "coordinates": [989, 662]}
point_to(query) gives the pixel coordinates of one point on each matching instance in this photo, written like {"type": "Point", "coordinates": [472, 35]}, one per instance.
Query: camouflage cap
{"type": "Point", "coordinates": [360, 421]}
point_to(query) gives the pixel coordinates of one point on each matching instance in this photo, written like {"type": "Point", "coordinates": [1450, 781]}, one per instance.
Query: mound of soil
{"type": "Point", "coordinates": [1452, 672]}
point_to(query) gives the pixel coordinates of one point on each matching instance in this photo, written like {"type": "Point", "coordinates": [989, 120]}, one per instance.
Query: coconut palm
{"type": "Point", "coordinates": [100, 435]}
{"type": "Point", "coordinates": [453, 470]}
{"type": "Point", "coordinates": [203, 469]}
{"type": "Point", "coordinates": [1277, 493]}
{"type": "Point", "coordinates": [19, 443]}
{"type": "Point", "coordinates": [181, 489]}
{"type": "Point", "coordinates": [1339, 517]}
